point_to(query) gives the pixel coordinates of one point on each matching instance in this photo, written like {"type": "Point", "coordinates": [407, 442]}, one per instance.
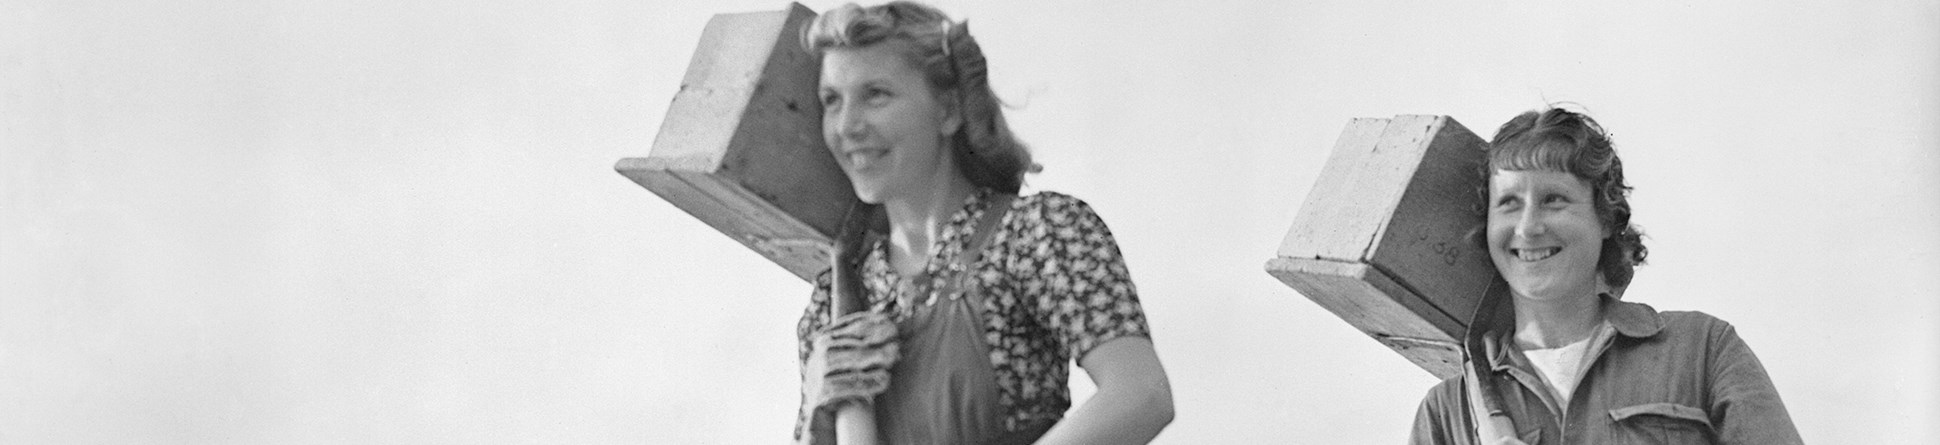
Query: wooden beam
{"type": "Point", "coordinates": [1384, 238]}
{"type": "Point", "coordinates": [741, 146]}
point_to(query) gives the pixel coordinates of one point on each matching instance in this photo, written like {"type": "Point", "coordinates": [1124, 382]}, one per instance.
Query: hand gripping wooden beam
{"type": "Point", "coordinates": [741, 147]}
{"type": "Point", "coordinates": [1384, 237]}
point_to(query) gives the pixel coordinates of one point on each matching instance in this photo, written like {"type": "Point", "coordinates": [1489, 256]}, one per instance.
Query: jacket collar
{"type": "Point", "coordinates": [1490, 327]}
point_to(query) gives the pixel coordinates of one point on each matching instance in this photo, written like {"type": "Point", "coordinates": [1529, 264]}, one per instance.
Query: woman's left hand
{"type": "Point", "coordinates": [849, 360]}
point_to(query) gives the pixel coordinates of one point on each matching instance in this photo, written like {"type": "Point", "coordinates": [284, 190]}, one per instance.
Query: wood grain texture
{"type": "Point", "coordinates": [1429, 243]}
{"type": "Point", "coordinates": [1370, 301]}
{"type": "Point", "coordinates": [741, 147]}
{"type": "Point", "coordinates": [1338, 221]}
{"type": "Point", "coordinates": [1383, 238]}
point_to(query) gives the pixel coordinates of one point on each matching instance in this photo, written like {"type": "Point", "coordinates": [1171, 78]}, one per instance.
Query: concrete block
{"type": "Point", "coordinates": [1382, 240]}
{"type": "Point", "coordinates": [741, 146]}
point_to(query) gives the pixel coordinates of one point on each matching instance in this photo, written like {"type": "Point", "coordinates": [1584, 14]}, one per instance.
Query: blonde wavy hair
{"type": "Point", "coordinates": [986, 151]}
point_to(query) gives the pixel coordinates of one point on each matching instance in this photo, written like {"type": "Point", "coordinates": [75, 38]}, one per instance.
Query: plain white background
{"type": "Point", "coordinates": [397, 221]}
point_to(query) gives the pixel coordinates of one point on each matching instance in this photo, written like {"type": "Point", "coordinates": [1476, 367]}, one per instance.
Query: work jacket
{"type": "Point", "coordinates": [1662, 378]}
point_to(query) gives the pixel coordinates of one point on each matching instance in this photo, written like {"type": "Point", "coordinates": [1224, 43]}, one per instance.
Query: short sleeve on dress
{"type": "Point", "coordinates": [1087, 297]}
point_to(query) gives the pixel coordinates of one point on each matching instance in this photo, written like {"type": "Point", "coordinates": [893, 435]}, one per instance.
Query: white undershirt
{"type": "Point", "coordinates": [1560, 366]}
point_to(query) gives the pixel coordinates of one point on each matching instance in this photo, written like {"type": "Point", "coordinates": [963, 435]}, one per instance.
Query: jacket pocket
{"type": "Point", "coordinates": [1661, 423]}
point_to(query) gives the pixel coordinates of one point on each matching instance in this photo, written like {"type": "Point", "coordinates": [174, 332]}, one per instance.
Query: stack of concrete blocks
{"type": "Point", "coordinates": [1384, 239]}
{"type": "Point", "coordinates": [741, 147]}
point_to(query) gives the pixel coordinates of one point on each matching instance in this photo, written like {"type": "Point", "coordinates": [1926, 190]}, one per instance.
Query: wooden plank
{"type": "Point", "coordinates": [1443, 359]}
{"type": "Point", "coordinates": [1368, 300]}
{"type": "Point", "coordinates": [1427, 242]}
{"type": "Point", "coordinates": [741, 147]}
{"type": "Point", "coordinates": [768, 229]}
{"type": "Point", "coordinates": [1382, 239]}
{"type": "Point", "coordinates": [1347, 290]}
{"type": "Point", "coordinates": [1323, 228]}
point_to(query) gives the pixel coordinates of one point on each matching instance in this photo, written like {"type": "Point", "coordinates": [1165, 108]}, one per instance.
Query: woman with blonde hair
{"type": "Point", "coordinates": [957, 324]}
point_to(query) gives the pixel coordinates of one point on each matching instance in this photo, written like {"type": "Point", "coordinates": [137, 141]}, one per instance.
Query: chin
{"type": "Point", "coordinates": [869, 195]}
{"type": "Point", "coordinates": [1548, 291]}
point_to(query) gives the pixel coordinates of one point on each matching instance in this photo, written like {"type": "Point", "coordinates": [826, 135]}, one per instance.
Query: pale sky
{"type": "Point", "coordinates": [397, 221]}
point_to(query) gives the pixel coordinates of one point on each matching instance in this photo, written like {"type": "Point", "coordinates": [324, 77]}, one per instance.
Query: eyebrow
{"type": "Point", "coordinates": [870, 79]}
{"type": "Point", "coordinates": [1541, 191]}
{"type": "Point", "coordinates": [1564, 191]}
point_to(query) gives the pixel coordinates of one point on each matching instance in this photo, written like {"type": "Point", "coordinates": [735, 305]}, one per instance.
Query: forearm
{"type": "Point", "coordinates": [1133, 402]}
{"type": "Point", "coordinates": [1115, 416]}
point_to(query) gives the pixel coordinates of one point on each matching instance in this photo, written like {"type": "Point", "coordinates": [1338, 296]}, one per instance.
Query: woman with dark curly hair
{"type": "Point", "coordinates": [1562, 360]}
{"type": "Point", "coordinates": [956, 326]}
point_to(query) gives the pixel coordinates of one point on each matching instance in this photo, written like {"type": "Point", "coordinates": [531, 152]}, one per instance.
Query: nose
{"type": "Point", "coordinates": [1529, 223]}
{"type": "Point", "coordinates": [849, 124]}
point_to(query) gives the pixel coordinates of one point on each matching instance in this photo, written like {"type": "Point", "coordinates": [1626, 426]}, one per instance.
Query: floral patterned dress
{"type": "Point", "coordinates": [1054, 287]}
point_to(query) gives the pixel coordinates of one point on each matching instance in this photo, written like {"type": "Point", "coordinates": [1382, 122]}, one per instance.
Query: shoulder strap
{"type": "Point", "coordinates": [1486, 413]}
{"type": "Point", "coordinates": [987, 228]}
{"type": "Point", "coordinates": [1489, 423]}
{"type": "Point", "coordinates": [845, 287]}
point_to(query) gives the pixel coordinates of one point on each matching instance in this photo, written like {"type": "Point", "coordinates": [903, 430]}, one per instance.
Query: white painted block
{"type": "Point", "coordinates": [1383, 238]}
{"type": "Point", "coordinates": [741, 146]}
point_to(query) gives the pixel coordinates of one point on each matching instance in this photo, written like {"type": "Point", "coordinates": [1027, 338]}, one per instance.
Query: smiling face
{"type": "Point", "coordinates": [1543, 234]}
{"type": "Point", "coordinates": [884, 123]}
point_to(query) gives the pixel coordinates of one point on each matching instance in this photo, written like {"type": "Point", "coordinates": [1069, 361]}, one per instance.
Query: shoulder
{"type": "Point", "coordinates": [1441, 417]}
{"type": "Point", "coordinates": [1053, 209]}
{"type": "Point", "coordinates": [1049, 199]}
{"type": "Point", "coordinates": [1694, 337]}
{"type": "Point", "coordinates": [1689, 318]}
{"type": "Point", "coordinates": [1639, 320]}
{"type": "Point", "coordinates": [1052, 223]}
{"type": "Point", "coordinates": [1693, 323]}
{"type": "Point", "coordinates": [1443, 396]}
{"type": "Point", "coordinates": [1051, 202]}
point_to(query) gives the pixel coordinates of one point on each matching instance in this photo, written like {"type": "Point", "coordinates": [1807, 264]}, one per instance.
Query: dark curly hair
{"type": "Point", "coordinates": [988, 154]}
{"type": "Point", "coordinates": [1561, 140]}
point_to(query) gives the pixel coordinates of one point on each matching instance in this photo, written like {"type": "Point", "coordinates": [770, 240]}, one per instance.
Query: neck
{"type": "Point", "coordinates": [917, 219]}
{"type": "Point", "coordinates": [1554, 323]}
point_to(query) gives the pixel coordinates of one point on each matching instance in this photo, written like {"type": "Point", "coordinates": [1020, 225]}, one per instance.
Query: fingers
{"type": "Point", "coordinates": [857, 344]}
{"type": "Point", "coordinates": [865, 327]}
{"type": "Point", "coordinates": [858, 386]}
{"type": "Point", "coordinates": [852, 358]}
